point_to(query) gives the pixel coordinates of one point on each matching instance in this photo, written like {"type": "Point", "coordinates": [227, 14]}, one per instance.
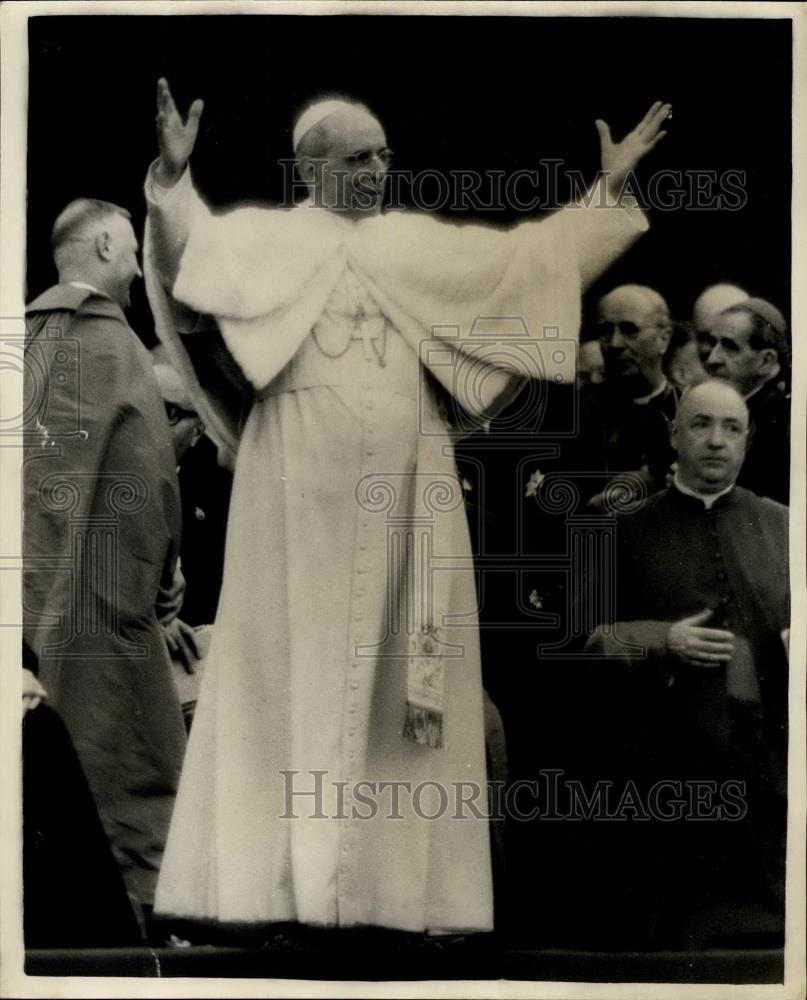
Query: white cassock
{"type": "Point", "coordinates": [347, 532]}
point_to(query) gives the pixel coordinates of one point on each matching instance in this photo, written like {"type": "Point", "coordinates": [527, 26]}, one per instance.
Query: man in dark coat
{"type": "Point", "coordinates": [698, 636]}
{"type": "Point", "coordinates": [102, 525]}
{"type": "Point", "coordinates": [750, 347]}
{"type": "Point", "coordinates": [625, 421]}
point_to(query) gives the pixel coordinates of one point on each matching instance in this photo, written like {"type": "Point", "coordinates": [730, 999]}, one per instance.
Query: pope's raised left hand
{"type": "Point", "coordinates": [618, 159]}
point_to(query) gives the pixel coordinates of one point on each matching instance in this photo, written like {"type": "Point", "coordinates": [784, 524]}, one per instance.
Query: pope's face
{"type": "Point", "coordinates": [349, 172]}
{"type": "Point", "coordinates": [711, 430]}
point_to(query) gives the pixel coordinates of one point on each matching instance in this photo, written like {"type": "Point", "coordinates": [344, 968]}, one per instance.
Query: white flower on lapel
{"type": "Point", "coordinates": [533, 483]}
{"type": "Point", "coordinates": [536, 600]}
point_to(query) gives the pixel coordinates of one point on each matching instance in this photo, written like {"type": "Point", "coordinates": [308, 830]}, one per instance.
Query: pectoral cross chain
{"type": "Point", "coordinates": [373, 342]}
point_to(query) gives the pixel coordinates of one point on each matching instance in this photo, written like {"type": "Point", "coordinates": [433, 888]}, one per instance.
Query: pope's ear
{"type": "Point", "coordinates": [305, 168]}
{"type": "Point", "coordinates": [103, 246]}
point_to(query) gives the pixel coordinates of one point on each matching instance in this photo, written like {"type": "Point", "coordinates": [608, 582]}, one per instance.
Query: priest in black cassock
{"type": "Point", "coordinates": [697, 665]}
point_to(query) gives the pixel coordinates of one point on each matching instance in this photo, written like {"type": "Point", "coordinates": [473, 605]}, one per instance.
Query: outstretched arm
{"type": "Point", "coordinates": [174, 210]}
{"type": "Point", "coordinates": [171, 199]}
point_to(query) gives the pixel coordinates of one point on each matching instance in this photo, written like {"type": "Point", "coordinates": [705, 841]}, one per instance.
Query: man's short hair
{"type": "Point", "coordinates": [654, 303]}
{"type": "Point", "coordinates": [768, 327]}
{"type": "Point", "coordinates": [78, 217]}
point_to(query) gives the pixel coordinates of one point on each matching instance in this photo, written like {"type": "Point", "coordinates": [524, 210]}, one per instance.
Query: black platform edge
{"type": "Point", "coordinates": [431, 961]}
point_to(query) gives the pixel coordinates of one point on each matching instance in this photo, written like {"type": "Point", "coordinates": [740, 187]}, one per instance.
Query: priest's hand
{"type": "Point", "coordinates": [32, 691]}
{"type": "Point", "coordinates": [620, 158]}
{"type": "Point", "coordinates": [689, 640]}
{"type": "Point", "coordinates": [181, 641]}
{"type": "Point", "coordinates": [175, 137]}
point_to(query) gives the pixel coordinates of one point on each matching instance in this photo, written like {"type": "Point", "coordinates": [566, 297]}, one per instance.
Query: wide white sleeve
{"type": "Point", "coordinates": [601, 228]}
{"type": "Point", "coordinates": [172, 212]}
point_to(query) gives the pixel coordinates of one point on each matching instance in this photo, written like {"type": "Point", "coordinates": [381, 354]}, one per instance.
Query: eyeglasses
{"type": "Point", "coordinates": [364, 157]}
{"type": "Point", "coordinates": [625, 328]}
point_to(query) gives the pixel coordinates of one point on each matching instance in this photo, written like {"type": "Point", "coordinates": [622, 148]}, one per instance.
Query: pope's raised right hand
{"type": "Point", "coordinates": [175, 137]}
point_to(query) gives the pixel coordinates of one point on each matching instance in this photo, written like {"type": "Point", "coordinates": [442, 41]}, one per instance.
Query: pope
{"type": "Point", "coordinates": [345, 657]}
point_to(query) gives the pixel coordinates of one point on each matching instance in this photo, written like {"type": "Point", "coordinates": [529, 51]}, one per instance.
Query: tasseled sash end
{"type": "Point", "coordinates": [425, 689]}
{"type": "Point", "coordinates": [424, 726]}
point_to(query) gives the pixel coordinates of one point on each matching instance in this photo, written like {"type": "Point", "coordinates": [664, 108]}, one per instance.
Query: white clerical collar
{"type": "Point", "coordinates": [83, 284]}
{"type": "Point", "coordinates": [644, 400]}
{"type": "Point", "coordinates": [707, 498]}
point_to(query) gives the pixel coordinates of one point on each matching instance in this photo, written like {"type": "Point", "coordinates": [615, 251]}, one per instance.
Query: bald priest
{"type": "Point", "coordinates": [341, 709]}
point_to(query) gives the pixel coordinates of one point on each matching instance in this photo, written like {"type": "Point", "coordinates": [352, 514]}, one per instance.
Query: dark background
{"type": "Point", "coordinates": [478, 92]}
{"type": "Point", "coordinates": [454, 93]}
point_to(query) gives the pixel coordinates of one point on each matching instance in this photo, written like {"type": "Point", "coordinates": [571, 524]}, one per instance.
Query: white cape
{"type": "Point", "coordinates": [346, 511]}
